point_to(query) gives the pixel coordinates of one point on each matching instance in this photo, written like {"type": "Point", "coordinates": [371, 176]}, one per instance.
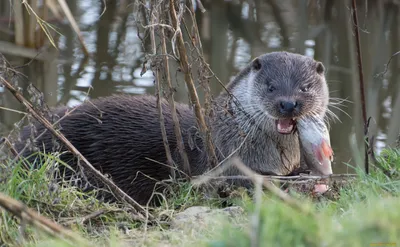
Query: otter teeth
{"type": "Point", "coordinates": [285, 126]}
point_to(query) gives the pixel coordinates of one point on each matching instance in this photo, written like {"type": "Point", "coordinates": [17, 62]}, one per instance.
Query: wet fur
{"type": "Point", "coordinates": [253, 111]}
{"type": "Point", "coordinates": [117, 133]}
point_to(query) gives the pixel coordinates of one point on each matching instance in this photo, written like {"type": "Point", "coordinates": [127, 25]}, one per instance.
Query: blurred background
{"type": "Point", "coordinates": [232, 34]}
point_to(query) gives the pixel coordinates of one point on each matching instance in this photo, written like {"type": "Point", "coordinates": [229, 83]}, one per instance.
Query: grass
{"type": "Point", "coordinates": [365, 213]}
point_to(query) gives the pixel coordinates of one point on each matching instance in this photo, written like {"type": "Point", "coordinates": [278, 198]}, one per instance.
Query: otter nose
{"type": "Point", "coordinates": [287, 106]}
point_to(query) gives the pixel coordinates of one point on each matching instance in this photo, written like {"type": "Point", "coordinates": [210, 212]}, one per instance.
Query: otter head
{"type": "Point", "coordinates": [287, 87]}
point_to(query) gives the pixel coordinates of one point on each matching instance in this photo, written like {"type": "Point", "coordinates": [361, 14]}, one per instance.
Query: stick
{"type": "Point", "coordinates": [190, 84]}
{"type": "Point", "coordinates": [177, 130]}
{"type": "Point", "coordinates": [273, 189]}
{"type": "Point", "coordinates": [361, 75]}
{"type": "Point", "coordinates": [118, 193]}
{"type": "Point", "coordinates": [158, 93]}
{"type": "Point", "coordinates": [288, 179]}
{"type": "Point", "coordinates": [92, 215]}
{"type": "Point", "coordinates": [28, 215]}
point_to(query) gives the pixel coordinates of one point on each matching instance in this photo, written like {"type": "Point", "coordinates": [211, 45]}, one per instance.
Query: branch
{"type": "Point", "coordinates": [361, 75]}
{"type": "Point", "coordinates": [158, 93]}
{"type": "Point", "coordinates": [190, 84]}
{"type": "Point", "coordinates": [299, 179]}
{"type": "Point", "coordinates": [177, 128]}
{"type": "Point", "coordinates": [26, 214]}
{"type": "Point", "coordinates": [273, 189]}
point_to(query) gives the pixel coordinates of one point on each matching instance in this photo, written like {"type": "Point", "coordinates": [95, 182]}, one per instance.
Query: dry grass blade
{"type": "Point", "coordinates": [117, 192]}
{"type": "Point", "coordinates": [28, 215]}
{"type": "Point", "coordinates": [46, 27]}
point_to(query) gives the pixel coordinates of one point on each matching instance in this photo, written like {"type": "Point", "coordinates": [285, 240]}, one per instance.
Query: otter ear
{"type": "Point", "coordinates": [256, 64]}
{"type": "Point", "coordinates": [320, 68]}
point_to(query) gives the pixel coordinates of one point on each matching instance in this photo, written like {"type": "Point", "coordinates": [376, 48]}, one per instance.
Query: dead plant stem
{"type": "Point", "coordinates": [28, 215]}
{"type": "Point", "coordinates": [190, 84]}
{"type": "Point", "coordinates": [158, 92]}
{"type": "Point", "coordinates": [273, 189]}
{"type": "Point", "coordinates": [361, 77]}
{"type": "Point", "coordinates": [170, 96]}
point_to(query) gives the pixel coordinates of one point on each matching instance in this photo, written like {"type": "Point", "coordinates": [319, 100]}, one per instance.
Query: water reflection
{"type": "Point", "coordinates": [232, 34]}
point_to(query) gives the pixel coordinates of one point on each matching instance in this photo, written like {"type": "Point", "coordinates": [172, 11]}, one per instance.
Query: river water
{"type": "Point", "coordinates": [232, 33]}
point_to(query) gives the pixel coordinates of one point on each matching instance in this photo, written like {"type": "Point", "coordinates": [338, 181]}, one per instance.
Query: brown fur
{"type": "Point", "coordinates": [117, 133]}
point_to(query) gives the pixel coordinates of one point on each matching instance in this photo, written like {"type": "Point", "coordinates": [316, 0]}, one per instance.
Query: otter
{"type": "Point", "coordinates": [254, 120]}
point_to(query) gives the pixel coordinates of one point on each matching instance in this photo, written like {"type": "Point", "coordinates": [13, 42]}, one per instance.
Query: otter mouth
{"type": "Point", "coordinates": [285, 126]}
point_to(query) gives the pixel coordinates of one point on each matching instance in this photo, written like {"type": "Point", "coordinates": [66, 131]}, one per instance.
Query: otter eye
{"type": "Point", "coordinates": [271, 89]}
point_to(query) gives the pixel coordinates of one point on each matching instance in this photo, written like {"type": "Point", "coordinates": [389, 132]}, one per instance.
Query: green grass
{"type": "Point", "coordinates": [365, 213]}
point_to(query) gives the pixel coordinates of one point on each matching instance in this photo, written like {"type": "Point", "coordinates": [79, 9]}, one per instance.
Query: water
{"type": "Point", "coordinates": [232, 34]}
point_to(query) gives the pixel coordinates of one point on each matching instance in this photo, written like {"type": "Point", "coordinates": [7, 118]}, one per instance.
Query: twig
{"type": "Point", "coordinates": [203, 79]}
{"type": "Point", "coordinates": [12, 110]}
{"type": "Point", "coordinates": [219, 168]}
{"type": "Point", "coordinates": [158, 94]}
{"type": "Point", "coordinates": [273, 189]}
{"type": "Point", "coordinates": [44, 131]}
{"type": "Point", "coordinates": [301, 179]}
{"type": "Point", "coordinates": [361, 75]}
{"type": "Point", "coordinates": [118, 193]}
{"type": "Point", "coordinates": [190, 84]}
{"type": "Point", "coordinates": [30, 216]}
{"type": "Point", "coordinates": [387, 64]}
{"type": "Point", "coordinates": [9, 145]}
{"type": "Point", "coordinates": [159, 25]}
{"type": "Point", "coordinates": [201, 56]}
{"type": "Point", "coordinates": [92, 215]}
{"type": "Point", "coordinates": [177, 128]}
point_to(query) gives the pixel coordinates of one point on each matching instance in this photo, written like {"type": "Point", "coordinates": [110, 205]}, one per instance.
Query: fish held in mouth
{"type": "Point", "coordinates": [315, 140]}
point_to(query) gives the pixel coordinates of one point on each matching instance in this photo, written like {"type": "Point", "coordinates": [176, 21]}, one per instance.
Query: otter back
{"type": "Point", "coordinates": [121, 137]}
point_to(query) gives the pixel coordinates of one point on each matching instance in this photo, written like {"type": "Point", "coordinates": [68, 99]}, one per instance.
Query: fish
{"type": "Point", "coordinates": [315, 141]}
